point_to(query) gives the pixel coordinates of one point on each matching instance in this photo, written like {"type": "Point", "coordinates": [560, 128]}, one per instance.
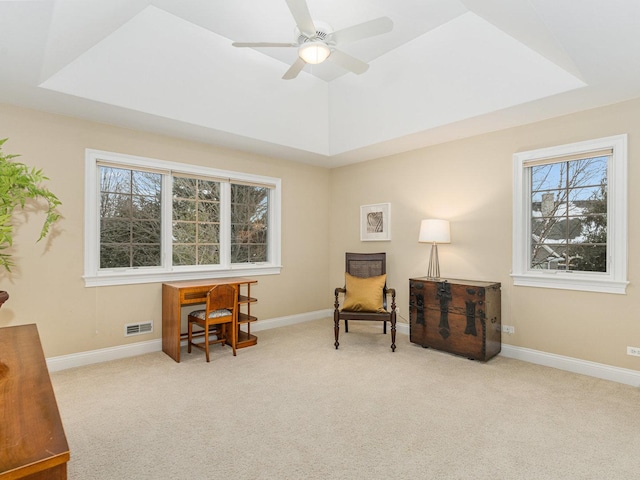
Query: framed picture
{"type": "Point", "coordinates": [375, 222]}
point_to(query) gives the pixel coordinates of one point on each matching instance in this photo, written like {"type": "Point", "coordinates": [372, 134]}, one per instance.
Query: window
{"type": "Point", "coordinates": [196, 221]}
{"type": "Point", "coordinates": [148, 220]}
{"type": "Point", "coordinates": [129, 218]}
{"type": "Point", "coordinates": [569, 216]}
{"type": "Point", "coordinates": [249, 223]}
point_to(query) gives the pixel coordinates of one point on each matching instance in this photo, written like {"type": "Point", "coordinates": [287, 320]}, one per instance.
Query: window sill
{"type": "Point", "coordinates": [132, 277]}
{"type": "Point", "coordinates": [570, 281]}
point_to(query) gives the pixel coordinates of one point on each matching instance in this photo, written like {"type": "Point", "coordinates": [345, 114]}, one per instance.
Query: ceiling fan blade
{"type": "Point", "coordinates": [301, 15]}
{"type": "Point", "coordinates": [294, 69]}
{"type": "Point", "coordinates": [363, 30]}
{"type": "Point", "coordinates": [348, 62]}
{"type": "Point", "coordinates": [263, 44]}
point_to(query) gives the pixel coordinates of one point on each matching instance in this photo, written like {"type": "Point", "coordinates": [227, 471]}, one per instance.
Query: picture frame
{"type": "Point", "coordinates": [375, 222]}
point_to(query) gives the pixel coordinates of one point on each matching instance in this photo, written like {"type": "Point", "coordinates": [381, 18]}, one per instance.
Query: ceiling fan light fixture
{"type": "Point", "coordinates": [314, 52]}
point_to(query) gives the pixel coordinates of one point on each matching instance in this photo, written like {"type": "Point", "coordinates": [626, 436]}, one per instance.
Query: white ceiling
{"type": "Point", "coordinates": [448, 69]}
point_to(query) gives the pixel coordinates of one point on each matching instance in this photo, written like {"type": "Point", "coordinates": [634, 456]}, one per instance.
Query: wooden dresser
{"type": "Point", "coordinates": [33, 445]}
{"type": "Point", "coordinates": [457, 316]}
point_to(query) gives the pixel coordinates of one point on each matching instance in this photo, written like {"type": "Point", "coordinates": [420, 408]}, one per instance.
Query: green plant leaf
{"type": "Point", "coordinates": [19, 183]}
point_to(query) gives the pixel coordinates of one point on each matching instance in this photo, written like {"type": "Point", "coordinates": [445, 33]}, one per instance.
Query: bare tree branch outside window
{"type": "Point", "coordinates": [131, 212]}
{"type": "Point", "coordinates": [130, 218]}
{"type": "Point", "coordinates": [249, 223]}
{"type": "Point", "coordinates": [196, 221]}
{"type": "Point", "coordinates": [569, 215]}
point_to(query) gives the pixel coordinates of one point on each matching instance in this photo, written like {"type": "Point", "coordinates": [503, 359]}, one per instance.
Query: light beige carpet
{"type": "Point", "coordinates": [293, 407]}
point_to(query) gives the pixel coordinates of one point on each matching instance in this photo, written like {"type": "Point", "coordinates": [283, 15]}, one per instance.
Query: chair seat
{"type": "Point", "coordinates": [349, 315]}
{"type": "Point", "coordinates": [223, 312]}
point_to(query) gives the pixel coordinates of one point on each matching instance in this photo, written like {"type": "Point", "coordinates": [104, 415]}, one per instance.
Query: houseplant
{"type": "Point", "coordinates": [19, 183]}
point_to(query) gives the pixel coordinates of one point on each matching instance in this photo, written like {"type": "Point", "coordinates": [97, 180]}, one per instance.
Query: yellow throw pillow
{"type": "Point", "coordinates": [363, 294]}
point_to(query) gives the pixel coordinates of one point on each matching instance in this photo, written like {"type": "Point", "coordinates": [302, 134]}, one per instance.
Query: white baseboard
{"type": "Point", "coordinates": [290, 320]}
{"type": "Point", "coordinates": [569, 364]}
{"type": "Point", "coordinates": [64, 362]}
{"type": "Point", "coordinates": [584, 367]}
{"type": "Point", "coordinates": [575, 365]}
{"type": "Point", "coordinates": [103, 355]}
{"type": "Point", "coordinates": [402, 328]}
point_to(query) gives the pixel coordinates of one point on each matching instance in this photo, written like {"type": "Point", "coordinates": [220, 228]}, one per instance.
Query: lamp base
{"type": "Point", "coordinates": [434, 264]}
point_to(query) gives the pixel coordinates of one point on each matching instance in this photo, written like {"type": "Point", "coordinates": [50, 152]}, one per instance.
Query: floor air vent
{"type": "Point", "coordinates": [137, 328]}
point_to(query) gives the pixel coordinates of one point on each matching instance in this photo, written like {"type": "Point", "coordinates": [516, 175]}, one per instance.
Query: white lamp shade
{"type": "Point", "coordinates": [434, 231]}
{"type": "Point", "coordinates": [314, 52]}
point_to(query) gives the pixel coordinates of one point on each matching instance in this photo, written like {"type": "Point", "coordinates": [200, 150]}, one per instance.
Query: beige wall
{"type": "Point", "coordinates": [469, 182]}
{"type": "Point", "coordinates": [46, 287]}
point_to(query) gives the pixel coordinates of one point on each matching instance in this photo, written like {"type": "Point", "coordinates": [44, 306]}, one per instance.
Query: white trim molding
{"type": "Point", "coordinates": [290, 320]}
{"type": "Point", "coordinates": [614, 280]}
{"type": "Point", "coordinates": [583, 367]}
{"type": "Point", "coordinates": [575, 365]}
{"type": "Point", "coordinates": [81, 359]}
{"type": "Point", "coordinates": [94, 276]}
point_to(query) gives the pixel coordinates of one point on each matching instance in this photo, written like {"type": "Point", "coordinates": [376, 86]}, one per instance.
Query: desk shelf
{"type": "Point", "coordinates": [245, 339]}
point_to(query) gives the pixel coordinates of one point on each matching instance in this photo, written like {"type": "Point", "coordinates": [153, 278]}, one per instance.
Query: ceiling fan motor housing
{"type": "Point", "coordinates": [323, 34]}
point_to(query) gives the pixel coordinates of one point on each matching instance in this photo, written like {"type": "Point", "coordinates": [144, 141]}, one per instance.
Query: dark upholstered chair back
{"type": "Point", "coordinates": [366, 265]}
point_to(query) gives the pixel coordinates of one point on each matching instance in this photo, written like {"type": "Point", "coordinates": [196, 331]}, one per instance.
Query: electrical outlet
{"type": "Point", "coordinates": [635, 351]}
{"type": "Point", "coordinates": [508, 329]}
{"type": "Point", "coordinates": [398, 311]}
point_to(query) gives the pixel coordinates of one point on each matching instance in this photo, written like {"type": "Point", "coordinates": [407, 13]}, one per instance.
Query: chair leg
{"type": "Point", "coordinates": [190, 337]}
{"type": "Point", "coordinates": [384, 328]}
{"type": "Point", "coordinates": [393, 334]}
{"type": "Point", "coordinates": [234, 336]}
{"type": "Point", "coordinates": [336, 330]}
{"type": "Point", "coordinates": [206, 339]}
{"type": "Point", "coordinates": [346, 326]}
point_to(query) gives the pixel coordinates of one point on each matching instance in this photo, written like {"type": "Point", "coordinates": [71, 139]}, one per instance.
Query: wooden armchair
{"type": "Point", "coordinates": [365, 294]}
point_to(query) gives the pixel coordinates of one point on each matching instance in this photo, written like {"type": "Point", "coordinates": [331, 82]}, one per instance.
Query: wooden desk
{"type": "Point", "coordinates": [177, 294]}
{"type": "Point", "coordinates": [32, 441]}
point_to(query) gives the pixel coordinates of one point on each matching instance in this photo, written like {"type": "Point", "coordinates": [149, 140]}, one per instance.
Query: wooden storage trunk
{"type": "Point", "coordinates": [457, 316]}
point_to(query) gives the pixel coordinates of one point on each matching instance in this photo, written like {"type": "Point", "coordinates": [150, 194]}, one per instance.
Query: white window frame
{"type": "Point", "coordinates": [95, 276]}
{"type": "Point", "coordinates": [612, 281]}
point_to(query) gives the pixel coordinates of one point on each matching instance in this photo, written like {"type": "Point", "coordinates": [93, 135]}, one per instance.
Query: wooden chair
{"type": "Point", "coordinates": [221, 310]}
{"type": "Point", "coordinates": [366, 265]}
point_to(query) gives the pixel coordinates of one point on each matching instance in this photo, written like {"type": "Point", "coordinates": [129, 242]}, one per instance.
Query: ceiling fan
{"type": "Point", "coordinates": [316, 41]}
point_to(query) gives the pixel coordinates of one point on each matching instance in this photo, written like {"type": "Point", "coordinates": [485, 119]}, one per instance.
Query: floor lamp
{"type": "Point", "coordinates": [434, 232]}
